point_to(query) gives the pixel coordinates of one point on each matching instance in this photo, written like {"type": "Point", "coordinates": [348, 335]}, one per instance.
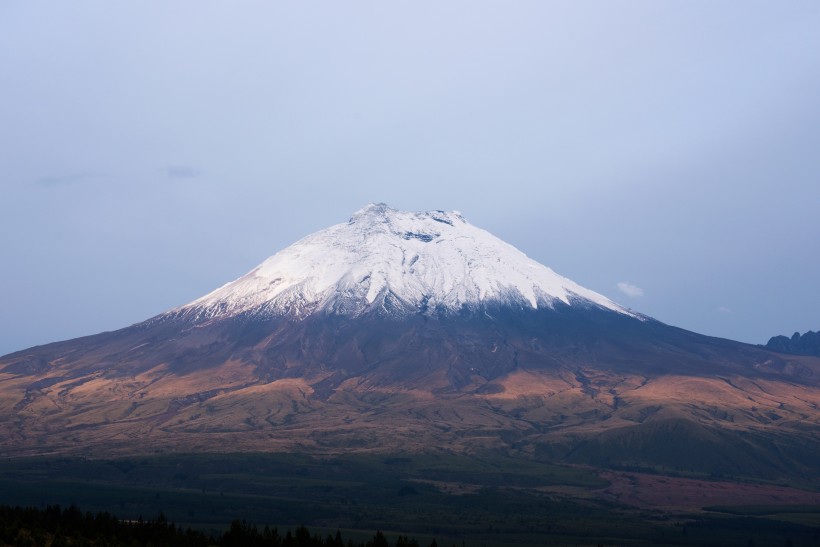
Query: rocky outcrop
{"type": "Point", "coordinates": [807, 344]}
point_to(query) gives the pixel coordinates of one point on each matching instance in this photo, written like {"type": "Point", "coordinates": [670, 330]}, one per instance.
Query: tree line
{"type": "Point", "coordinates": [55, 526]}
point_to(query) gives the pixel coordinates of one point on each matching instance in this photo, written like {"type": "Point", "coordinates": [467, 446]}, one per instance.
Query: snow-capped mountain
{"type": "Point", "coordinates": [414, 332]}
{"type": "Point", "coordinates": [396, 262]}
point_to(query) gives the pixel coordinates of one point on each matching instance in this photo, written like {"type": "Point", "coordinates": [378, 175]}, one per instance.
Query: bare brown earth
{"type": "Point", "coordinates": [227, 407]}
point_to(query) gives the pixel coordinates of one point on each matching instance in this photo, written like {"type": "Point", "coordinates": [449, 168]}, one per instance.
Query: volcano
{"type": "Point", "coordinates": [412, 332]}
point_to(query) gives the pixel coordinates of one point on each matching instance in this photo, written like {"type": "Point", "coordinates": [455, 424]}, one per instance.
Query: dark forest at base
{"type": "Point", "coordinates": [453, 500]}
{"type": "Point", "coordinates": [57, 527]}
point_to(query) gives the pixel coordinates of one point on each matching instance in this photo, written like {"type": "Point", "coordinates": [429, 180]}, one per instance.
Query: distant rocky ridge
{"type": "Point", "coordinates": [807, 344]}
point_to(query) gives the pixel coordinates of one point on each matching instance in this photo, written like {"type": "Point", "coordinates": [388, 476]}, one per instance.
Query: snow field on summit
{"type": "Point", "coordinates": [432, 260]}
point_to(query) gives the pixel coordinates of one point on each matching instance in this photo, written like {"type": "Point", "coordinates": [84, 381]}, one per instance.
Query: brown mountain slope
{"type": "Point", "coordinates": [572, 385]}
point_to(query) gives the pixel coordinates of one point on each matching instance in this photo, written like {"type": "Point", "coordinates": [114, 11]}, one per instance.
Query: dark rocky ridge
{"type": "Point", "coordinates": [489, 343]}
{"type": "Point", "coordinates": [807, 344]}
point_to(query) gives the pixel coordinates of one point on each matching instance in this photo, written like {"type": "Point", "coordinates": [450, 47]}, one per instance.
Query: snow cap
{"type": "Point", "coordinates": [396, 262]}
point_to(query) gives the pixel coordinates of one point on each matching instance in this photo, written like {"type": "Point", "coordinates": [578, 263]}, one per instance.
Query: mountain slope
{"type": "Point", "coordinates": [390, 333]}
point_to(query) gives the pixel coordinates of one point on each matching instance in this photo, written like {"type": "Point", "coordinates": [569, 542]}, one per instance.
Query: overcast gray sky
{"type": "Point", "coordinates": [665, 154]}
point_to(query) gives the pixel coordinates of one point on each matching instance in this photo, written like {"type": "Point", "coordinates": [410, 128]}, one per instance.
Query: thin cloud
{"type": "Point", "coordinates": [629, 289]}
{"type": "Point", "coordinates": [51, 181]}
{"type": "Point", "coordinates": [183, 172]}
{"type": "Point", "coordinates": [723, 309]}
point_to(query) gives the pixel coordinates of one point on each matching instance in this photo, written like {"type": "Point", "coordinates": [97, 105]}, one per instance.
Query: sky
{"type": "Point", "coordinates": [663, 153]}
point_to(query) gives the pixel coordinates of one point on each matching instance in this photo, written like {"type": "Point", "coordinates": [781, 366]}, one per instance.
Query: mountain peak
{"type": "Point", "coordinates": [371, 211]}
{"type": "Point", "coordinates": [380, 215]}
{"type": "Point", "coordinates": [396, 262]}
